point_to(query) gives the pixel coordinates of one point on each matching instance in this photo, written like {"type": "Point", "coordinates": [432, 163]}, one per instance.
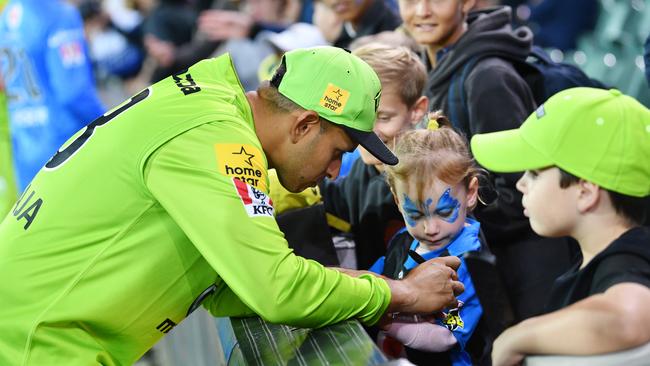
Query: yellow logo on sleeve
{"type": "Point", "coordinates": [335, 98]}
{"type": "Point", "coordinates": [242, 161]}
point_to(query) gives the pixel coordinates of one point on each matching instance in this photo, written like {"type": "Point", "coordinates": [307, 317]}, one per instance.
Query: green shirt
{"type": "Point", "coordinates": [154, 208]}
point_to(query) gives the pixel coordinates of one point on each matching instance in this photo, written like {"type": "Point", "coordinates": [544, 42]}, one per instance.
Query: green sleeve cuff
{"type": "Point", "coordinates": [381, 299]}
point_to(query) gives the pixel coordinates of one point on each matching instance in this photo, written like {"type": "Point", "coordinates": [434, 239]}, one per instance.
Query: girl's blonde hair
{"type": "Point", "coordinates": [440, 152]}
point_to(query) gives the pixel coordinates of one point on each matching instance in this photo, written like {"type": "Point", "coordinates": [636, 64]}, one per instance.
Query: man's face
{"type": "Point", "coordinates": [314, 157]}
{"type": "Point", "coordinates": [436, 23]}
{"type": "Point", "coordinates": [347, 10]}
{"type": "Point", "coordinates": [550, 208]}
{"type": "Point", "coordinates": [393, 118]}
{"type": "Point", "coordinates": [439, 217]}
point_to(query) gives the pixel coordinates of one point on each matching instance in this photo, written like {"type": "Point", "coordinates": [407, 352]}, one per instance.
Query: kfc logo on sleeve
{"type": "Point", "coordinates": [256, 203]}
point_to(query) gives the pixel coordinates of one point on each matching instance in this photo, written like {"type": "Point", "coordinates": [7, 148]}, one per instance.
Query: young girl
{"type": "Point", "coordinates": [435, 186]}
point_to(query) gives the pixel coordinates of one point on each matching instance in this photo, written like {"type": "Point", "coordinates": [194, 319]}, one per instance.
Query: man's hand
{"type": "Point", "coordinates": [428, 288]}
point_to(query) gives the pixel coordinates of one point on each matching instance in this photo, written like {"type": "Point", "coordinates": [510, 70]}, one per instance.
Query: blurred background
{"type": "Point", "coordinates": [135, 42]}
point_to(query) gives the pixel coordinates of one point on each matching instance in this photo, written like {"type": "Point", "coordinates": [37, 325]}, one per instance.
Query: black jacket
{"type": "Point", "coordinates": [364, 200]}
{"type": "Point", "coordinates": [626, 259]}
{"type": "Point", "coordinates": [497, 99]}
{"type": "Point", "coordinates": [378, 17]}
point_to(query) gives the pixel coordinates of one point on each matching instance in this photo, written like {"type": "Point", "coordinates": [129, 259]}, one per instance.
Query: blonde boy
{"type": "Point", "coordinates": [402, 104]}
{"type": "Point", "coordinates": [363, 199]}
{"type": "Point", "coordinates": [586, 153]}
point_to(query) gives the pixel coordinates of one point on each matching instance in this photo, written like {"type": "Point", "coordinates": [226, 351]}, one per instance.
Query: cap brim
{"type": "Point", "coordinates": [506, 152]}
{"type": "Point", "coordinates": [371, 142]}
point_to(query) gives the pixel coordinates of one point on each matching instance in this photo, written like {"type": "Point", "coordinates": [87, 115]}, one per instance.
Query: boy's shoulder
{"type": "Point", "coordinates": [634, 241]}
{"type": "Point", "coordinates": [625, 260]}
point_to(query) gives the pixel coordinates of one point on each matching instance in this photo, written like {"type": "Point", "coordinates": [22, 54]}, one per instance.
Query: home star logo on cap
{"type": "Point", "coordinates": [340, 87]}
{"type": "Point", "coordinates": [335, 98]}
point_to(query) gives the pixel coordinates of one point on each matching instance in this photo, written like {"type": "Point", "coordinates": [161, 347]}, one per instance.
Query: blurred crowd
{"type": "Point", "coordinates": [134, 42]}
{"type": "Point", "coordinates": [451, 58]}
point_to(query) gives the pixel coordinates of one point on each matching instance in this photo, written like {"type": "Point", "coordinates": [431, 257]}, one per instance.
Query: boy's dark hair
{"type": "Point", "coordinates": [634, 209]}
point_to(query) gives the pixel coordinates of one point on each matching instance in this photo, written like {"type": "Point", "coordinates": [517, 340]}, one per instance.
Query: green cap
{"type": "Point", "coordinates": [602, 136]}
{"type": "Point", "coordinates": [340, 87]}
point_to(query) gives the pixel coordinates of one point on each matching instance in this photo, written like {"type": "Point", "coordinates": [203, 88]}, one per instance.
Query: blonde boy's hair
{"type": "Point", "coordinates": [396, 67]}
{"type": "Point", "coordinates": [424, 154]}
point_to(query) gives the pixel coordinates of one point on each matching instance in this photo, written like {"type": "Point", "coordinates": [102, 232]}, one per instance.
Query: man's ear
{"type": "Point", "coordinates": [472, 193]}
{"type": "Point", "coordinates": [305, 122]}
{"type": "Point", "coordinates": [589, 196]}
{"type": "Point", "coordinates": [419, 109]}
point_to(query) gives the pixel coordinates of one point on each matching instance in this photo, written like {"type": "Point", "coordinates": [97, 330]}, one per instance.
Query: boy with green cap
{"type": "Point", "coordinates": [586, 153]}
{"type": "Point", "coordinates": [161, 205]}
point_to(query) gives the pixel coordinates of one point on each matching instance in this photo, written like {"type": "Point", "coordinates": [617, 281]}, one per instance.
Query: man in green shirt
{"type": "Point", "coordinates": [161, 205]}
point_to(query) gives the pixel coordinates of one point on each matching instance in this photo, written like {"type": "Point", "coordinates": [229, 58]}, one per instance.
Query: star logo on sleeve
{"type": "Point", "coordinates": [242, 161]}
{"type": "Point", "coordinates": [246, 156]}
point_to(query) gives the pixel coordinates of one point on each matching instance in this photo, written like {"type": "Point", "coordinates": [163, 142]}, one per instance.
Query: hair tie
{"type": "Point", "coordinates": [433, 125]}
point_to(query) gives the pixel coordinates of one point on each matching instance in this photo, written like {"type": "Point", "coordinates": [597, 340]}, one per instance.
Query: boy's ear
{"type": "Point", "coordinates": [303, 124]}
{"type": "Point", "coordinates": [589, 196]}
{"type": "Point", "coordinates": [419, 109]}
{"type": "Point", "coordinates": [472, 193]}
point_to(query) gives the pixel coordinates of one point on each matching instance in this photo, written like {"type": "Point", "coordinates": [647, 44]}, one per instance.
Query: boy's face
{"type": "Point", "coordinates": [440, 216]}
{"type": "Point", "coordinates": [550, 208]}
{"type": "Point", "coordinates": [436, 23]}
{"type": "Point", "coordinates": [347, 10]}
{"type": "Point", "coordinates": [393, 118]}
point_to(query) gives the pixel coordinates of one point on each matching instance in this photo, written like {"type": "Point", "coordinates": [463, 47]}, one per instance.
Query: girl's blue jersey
{"type": "Point", "coordinates": [48, 79]}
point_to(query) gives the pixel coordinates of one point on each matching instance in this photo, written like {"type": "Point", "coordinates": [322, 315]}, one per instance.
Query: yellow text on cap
{"type": "Point", "coordinates": [334, 98]}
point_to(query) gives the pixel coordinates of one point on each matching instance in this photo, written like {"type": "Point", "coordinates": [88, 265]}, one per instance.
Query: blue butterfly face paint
{"type": "Point", "coordinates": [447, 208]}
{"type": "Point", "coordinates": [411, 211]}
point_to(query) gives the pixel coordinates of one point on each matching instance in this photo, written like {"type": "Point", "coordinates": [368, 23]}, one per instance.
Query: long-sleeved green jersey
{"type": "Point", "coordinates": [157, 207]}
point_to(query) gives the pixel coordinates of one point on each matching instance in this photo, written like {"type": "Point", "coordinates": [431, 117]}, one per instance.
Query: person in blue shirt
{"type": "Point", "coordinates": [48, 79]}
{"type": "Point", "coordinates": [435, 185]}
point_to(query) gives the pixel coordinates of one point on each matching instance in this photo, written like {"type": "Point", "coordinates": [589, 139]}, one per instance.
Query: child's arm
{"type": "Point", "coordinates": [422, 336]}
{"type": "Point", "coordinates": [615, 320]}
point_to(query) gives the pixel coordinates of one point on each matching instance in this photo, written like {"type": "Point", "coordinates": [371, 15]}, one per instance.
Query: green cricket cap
{"type": "Point", "coordinates": [340, 87]}
{"type": "Point", "coordinates": [602, 136]}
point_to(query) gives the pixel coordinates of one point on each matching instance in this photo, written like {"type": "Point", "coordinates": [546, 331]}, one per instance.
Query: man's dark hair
{"type": "Point", "coordinates": [634, 209]}
{"type": "Point", "coordinates": [269, 93]}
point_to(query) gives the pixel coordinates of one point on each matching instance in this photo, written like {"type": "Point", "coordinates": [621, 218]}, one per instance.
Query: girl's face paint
{"type": "Point", "coordinates": [433, 225]}
{"type": "Point", "coordinates": [447, 207]}
{"type": "Point", "coordinates": [410, 211]}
